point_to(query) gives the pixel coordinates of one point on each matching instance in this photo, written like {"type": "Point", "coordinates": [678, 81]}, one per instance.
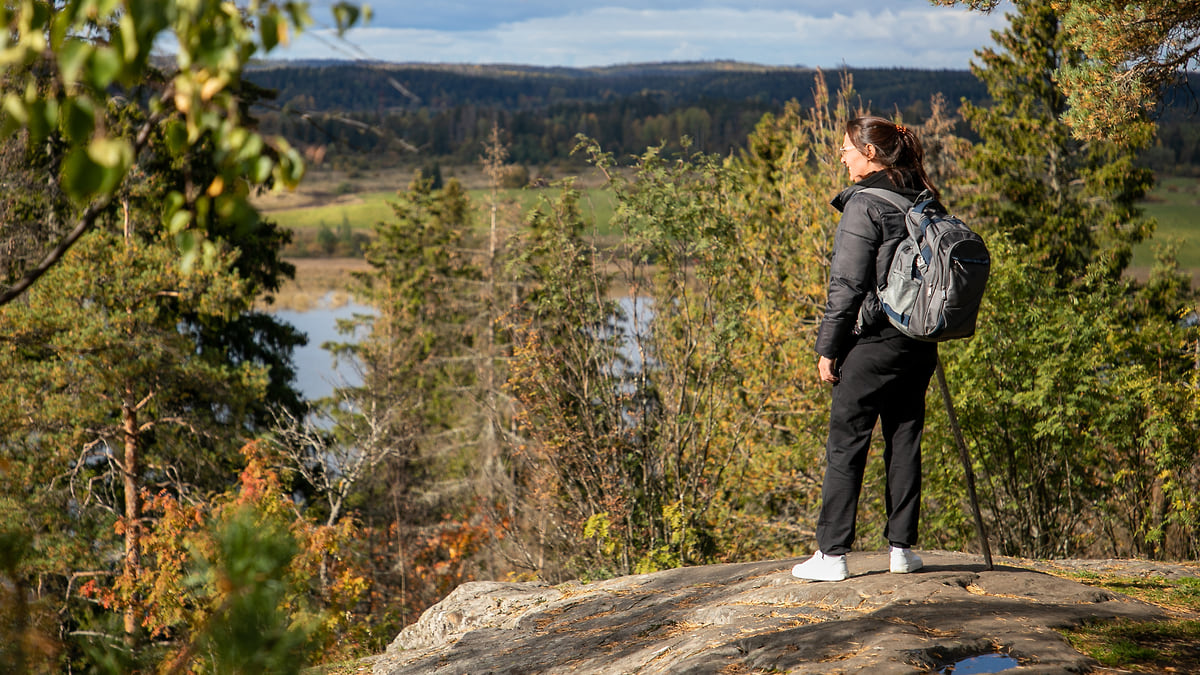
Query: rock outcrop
{"type": "Point", "coordinates": [754, 617]}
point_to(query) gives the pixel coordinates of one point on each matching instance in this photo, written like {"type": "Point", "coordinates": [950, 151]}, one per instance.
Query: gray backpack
{"type": "Point", "coordinates": [937, 277]}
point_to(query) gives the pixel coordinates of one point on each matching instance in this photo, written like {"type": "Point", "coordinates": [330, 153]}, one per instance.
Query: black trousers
{"type": "Point", "coordinates": [882, 380]}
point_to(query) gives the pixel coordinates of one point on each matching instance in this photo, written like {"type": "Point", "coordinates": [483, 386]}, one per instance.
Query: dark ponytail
{"type": "Point", "coordinates": [897, 148]}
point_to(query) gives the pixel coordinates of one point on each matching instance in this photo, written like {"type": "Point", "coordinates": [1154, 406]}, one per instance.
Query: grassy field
{"type": "Point", "coordinates": [1175, 203]}
{"type": "Point", "coordinates": [363, 210]}
{"type": "Point", "coordinates": [333, 200]}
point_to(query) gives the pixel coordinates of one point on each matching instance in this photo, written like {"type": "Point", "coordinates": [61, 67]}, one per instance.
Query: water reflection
{"type": "Point", "coordinates": [316, 375]}
{"type": "Point", "coordinates": [987, 663]}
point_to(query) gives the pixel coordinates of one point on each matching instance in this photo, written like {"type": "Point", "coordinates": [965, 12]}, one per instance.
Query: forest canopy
{"type": "Point", "coordinates": [415, 114]}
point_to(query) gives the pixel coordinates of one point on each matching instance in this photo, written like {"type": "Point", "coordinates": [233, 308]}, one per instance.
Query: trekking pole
{"type": "Point", "coordinates": [966, 460]}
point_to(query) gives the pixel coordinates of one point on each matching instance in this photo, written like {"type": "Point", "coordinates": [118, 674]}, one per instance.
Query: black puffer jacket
{"type": "Point", "coordinates": [867, 236]}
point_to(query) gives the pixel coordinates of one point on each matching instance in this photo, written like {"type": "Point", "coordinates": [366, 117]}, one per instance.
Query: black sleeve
{"type": "Point", "coordinates": [851, 276]}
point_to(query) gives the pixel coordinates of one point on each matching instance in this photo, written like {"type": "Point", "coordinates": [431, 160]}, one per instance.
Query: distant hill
{"type": "Point", "coordinates": [365, 113]}
{"type": "Point", "coordinates": [354, 86]}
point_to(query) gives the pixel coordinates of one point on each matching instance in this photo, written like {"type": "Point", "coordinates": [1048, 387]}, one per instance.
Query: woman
{"type": "Point", "coordinates": [877, 372]}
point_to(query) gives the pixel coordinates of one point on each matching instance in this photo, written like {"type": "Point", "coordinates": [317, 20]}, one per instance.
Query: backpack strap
{"type": "Point", "coordinates": [916, 225]}
{"type": "Point", "coordinates": [903, 203]}
{"type": "Point", "coordinates": [894, 198]}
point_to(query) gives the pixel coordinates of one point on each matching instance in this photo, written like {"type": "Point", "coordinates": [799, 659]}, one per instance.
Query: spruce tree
{"type": "Point", "coordinates": [1077, 399]}
{"type": "Point", "coordinates": [1068, 201]}
{"type": "Point", "coordinates": [418, 417]}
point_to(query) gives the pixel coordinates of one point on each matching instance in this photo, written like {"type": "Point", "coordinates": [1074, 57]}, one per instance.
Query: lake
{"type": "Point", "coordinates": [316, 376]}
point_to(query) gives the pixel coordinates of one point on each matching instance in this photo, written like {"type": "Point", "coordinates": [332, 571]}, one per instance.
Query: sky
{"type": "Point", "coordinates": [811, 33]}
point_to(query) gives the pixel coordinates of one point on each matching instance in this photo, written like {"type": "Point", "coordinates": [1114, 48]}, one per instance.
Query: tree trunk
{"type": "Point", "coordinates": [133, 508]}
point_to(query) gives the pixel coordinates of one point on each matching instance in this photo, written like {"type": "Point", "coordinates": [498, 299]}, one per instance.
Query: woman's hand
{"type": "Point", "coordinates": [825, 367]}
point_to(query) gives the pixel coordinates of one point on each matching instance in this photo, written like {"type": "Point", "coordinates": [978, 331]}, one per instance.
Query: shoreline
{"type": "Point", "coordinates": [319, 282]}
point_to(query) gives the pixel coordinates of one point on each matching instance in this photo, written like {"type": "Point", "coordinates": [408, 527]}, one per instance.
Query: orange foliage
{"type": "Point", "coordinates": [181, 535]}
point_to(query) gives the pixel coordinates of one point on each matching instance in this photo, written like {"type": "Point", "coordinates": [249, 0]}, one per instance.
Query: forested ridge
{"type": "Point", "coordinates": [417, 113]}
{"type": "Point", "coordinates": [532, 405]}
{"type": "Point", "coordinates": [445, 112]}
{"type": "Point", "coordinates": [354, 86]}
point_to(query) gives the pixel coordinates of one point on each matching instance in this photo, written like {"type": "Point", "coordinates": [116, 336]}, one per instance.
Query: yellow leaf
{"type": "Point", "coordinates": [212, 86]}
{"type": "Point", "coordinates": [184, 88]}
{"type": "Point", "coordinates": [216, 187]}
{"type": "Point", "coordinates": [282, 29]}
{"type": "Point", "coordinates": [110, 152]}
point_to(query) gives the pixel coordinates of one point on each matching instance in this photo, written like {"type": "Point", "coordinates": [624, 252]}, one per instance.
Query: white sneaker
{"type": "Point", "coordinates": [821, 567]}
{"type": "Point", "coordinates": [905, 561]}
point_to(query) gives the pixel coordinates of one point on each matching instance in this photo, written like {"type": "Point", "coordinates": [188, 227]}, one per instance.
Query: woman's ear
{"type": "Point", "coordinates": [870, 154]}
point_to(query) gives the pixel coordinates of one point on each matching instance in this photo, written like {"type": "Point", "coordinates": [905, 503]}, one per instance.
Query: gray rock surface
{"type": "Point", "coordinates": [756, 618]}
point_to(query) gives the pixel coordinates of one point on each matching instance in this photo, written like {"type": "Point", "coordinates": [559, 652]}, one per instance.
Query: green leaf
{"type": "Point", "coordinates": [105, 68]}
{"type": "Point", "coordinates": [96, 169]}
{"type": "Point", "coordinates": [271, 29]}
{"type": "Point", "coordinates": [261, 170]}
{"type": "Point", "coordinates": [175, 135]}
{"type": "Point", "coordinates": [16, 109]}
{"type": "Point", "coordinates": [43, 116]}
{"type": "Point", "coordinates": [38, 14]}
{"type": "Point", "coordinates": [78, 120]}
{"type": "Point", "coordinates": [106, 7]}
{"type": "Point", "coordinates": [298, 13]}
{"type": "Point", "coordinates": [249, 148]}
{"type": "Point", "coordinates": [60, 30]}
{"type": "Point", "coordinates": [179, 221]}
{"type": "Point", "coordinates": [346, 15]}
{"type": "Point", "coordinates": [174, 201]}
{"type": "Point", "coordinates": [82, 176]}
{"type": "Point", "coordinates": [111, 153]}
{"type": "Point", "coordinates": [189, 250]}
{"type": "Point", "coordinates": [129, 37]}
{"type": "Point", "coordinates": [71, 59]}
{"type": "Point", "coordinates": [210, 252]}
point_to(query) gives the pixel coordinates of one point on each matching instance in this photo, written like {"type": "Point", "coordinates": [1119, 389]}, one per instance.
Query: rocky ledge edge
{"type": "Point", "coordinates": [755, 617]}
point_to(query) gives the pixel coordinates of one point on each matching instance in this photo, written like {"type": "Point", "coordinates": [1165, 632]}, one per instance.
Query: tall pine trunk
{"type": "Point", "coordinates": [133, 507]}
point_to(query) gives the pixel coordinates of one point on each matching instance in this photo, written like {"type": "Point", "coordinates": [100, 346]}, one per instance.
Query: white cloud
{"type": "Point", "coordinates": [903, 34]}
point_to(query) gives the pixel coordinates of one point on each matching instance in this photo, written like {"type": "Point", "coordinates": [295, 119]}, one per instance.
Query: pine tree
{"type": "Point", "coordinates": [1134, 53]}
{"type": "Point", "coordinates": [105, 399]}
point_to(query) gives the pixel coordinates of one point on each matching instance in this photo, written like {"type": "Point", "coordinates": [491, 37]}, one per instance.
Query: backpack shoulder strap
{"type": "Point", "coordinates": [894, 198]}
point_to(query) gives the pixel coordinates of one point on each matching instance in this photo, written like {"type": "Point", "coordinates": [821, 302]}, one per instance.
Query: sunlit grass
{"type": "Point", "coordinates": [363, 210]}
{"type": "Point", "coordinates": [1175, 204]}
{"type": "Point", "coordinates": [1140, 646]}
{"type": "Point", "coordinates": [1156, 646]}
{"type": "Point", "coordinates": [360, 211]}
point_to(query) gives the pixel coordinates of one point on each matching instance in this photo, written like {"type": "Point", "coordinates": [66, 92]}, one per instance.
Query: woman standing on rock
{"type": "Point", "coordinates": [877, 372]}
